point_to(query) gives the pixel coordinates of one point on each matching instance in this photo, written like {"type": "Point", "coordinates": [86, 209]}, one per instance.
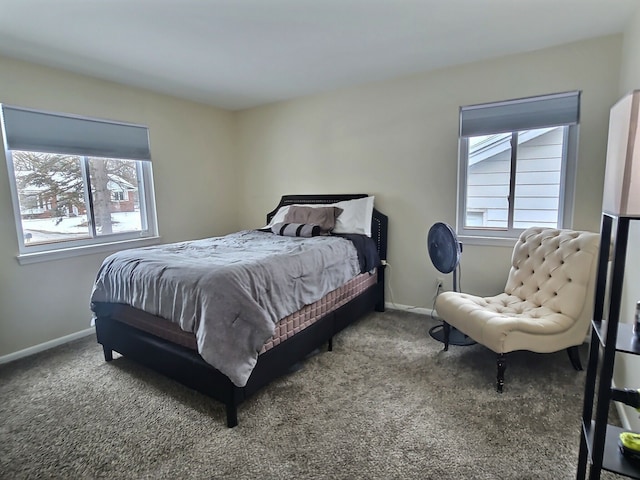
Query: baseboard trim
{"type": "Point", "coordinates": [409, 308]}
{"type": "Point", "coordinates": [46, 345]}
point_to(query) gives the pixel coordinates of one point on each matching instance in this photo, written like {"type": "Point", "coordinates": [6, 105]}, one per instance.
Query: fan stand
{"type": "Point", "coordinates": [456, 337]}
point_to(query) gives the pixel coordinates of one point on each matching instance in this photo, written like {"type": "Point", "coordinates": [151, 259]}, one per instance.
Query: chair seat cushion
{"type": "Point", "coordinates": [506, 322]}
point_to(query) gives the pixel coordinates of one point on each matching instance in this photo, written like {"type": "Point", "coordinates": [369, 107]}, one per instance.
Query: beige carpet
{"type": "Point", "coordinates": [387, 403]}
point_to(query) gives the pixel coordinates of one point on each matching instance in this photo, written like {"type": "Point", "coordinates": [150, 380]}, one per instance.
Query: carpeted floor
{"type": "Point", "coordinates": [387, 403]}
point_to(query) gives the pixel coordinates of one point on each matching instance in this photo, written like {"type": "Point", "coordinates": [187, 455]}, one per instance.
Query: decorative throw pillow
{"type": "Point", "coordinates": [325, 217]}
{"type": "Point", "coordinates": [296, 229]}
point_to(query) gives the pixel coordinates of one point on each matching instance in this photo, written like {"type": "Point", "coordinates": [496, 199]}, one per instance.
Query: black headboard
{"type": "Point", "coordinates": [379, 221]}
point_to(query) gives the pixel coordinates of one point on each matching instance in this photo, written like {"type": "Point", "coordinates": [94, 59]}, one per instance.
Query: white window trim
{"type": "Point", "coordinates": [488, 241]}
{"type": "Point", "coordinates": [52, 255]}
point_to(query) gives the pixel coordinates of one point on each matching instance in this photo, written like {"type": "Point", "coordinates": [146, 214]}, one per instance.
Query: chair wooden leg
{"type": "Point", "coordinates": [574, 357]}
{"type": "Point", "coordinates": [502, 366]}
{"type": "Point", "coordinates": [446, 329]}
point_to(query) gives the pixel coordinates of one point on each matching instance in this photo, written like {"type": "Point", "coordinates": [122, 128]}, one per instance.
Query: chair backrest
{"type": "Point", "coordinates": [556, 269]}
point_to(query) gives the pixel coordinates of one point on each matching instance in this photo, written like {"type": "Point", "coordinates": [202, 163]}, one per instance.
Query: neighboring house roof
{"type": "Point", "coordinates": [491, 145]}
{"type": "Point", "coordinates": [119, 184]}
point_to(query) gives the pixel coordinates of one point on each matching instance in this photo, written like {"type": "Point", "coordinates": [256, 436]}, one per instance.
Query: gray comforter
{"type": "Point", "coordinates": [229, 291]}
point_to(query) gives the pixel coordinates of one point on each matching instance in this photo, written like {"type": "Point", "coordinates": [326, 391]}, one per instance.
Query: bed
{"type": "Point", "coordinates": [162, 345]}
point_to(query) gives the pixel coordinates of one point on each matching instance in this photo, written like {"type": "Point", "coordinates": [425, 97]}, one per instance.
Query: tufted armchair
{"type": "Point", "coordinates": [547, 302]}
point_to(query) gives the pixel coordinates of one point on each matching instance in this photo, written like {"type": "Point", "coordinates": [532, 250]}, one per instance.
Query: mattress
{"type": "Point", "coordinates": [285, 328]}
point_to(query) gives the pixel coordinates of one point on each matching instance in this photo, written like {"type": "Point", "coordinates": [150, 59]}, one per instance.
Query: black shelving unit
{"type": "Point", "coordinates": [599, 440]}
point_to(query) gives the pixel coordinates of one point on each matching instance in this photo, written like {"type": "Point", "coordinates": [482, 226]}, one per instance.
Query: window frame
{"type": "Point", "coordinates": [31, 253]}
{"type": "Point", "coordinates": [507, 236]}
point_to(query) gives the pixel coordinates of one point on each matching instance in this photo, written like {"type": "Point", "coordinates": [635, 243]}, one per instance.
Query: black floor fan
{"type": "Point", "coordinates": [445, 251]}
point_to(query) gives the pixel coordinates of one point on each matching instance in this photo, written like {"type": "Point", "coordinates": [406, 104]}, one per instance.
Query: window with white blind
{"type": "Point", "coordinates": [77, 182]}
{"type": "Point", "coordinates": [517, 165]}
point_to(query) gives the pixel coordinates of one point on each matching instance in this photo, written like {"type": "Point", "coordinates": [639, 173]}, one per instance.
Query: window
{"type": "Point", "coordinates": [77, 182]}
{"type": "Point", "coordinates": [517, 165]}
{"type": "Point", "coordinates": [118, 196]}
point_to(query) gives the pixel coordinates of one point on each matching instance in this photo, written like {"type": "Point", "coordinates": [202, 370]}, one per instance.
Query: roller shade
{"type": "Point", "coordinates": [522, 114]}
{"type": "Point", "coordinates": [39, 131]}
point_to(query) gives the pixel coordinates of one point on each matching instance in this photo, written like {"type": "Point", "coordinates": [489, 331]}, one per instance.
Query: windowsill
{"type": "Point", "coordinates": [52, 255]}
{"type": "Point", "coordinates": [490, 241]}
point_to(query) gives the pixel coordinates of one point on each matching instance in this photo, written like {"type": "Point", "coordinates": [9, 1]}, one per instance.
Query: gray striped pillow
{"type": "Point", "coordinates": [296, 229]}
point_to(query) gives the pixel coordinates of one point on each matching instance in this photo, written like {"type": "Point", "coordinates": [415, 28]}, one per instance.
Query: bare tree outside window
{"type": "Point", "coordinates": [101, 196]}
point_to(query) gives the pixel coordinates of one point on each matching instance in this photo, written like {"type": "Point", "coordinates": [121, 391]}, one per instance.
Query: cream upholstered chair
{"type": "Point", "coordinates": [547, 302]}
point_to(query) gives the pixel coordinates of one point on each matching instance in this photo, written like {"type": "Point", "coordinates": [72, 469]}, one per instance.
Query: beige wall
{"type": "Point", "coordinates": [195, 183]}
{"type": "Point", "coordinates": [398, 140]}
{"type": "Point", "coordinates": [627, 370]}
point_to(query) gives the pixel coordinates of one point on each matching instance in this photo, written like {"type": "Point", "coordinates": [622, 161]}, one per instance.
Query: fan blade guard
{"type": "Point", "coordinates": [443, 247]}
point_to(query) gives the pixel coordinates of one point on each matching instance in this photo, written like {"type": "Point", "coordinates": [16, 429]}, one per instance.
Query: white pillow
{"type": "Point", "coordinates": [278, 217]}
{"type": "Point", "coordinates": [355, 217]}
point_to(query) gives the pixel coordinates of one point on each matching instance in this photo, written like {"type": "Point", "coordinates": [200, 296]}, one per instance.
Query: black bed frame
{"type": "Point", "coordinates": [187, 366]}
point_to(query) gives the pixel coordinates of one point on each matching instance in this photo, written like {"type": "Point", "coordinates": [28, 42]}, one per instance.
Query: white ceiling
{"type": "Point", "coordinates": [237, 54]}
